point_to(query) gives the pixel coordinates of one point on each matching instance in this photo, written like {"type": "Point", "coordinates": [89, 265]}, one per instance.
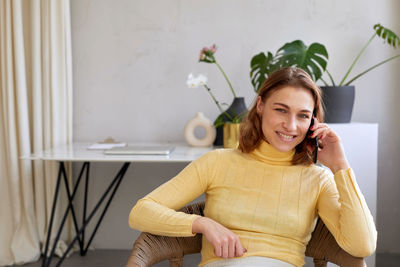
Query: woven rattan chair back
{"type": "Point", "coordinates": [150, 249]}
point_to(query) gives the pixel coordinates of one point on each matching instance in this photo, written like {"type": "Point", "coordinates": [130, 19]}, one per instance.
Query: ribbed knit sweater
{"type": "Point", "coordinates": [269, 203]}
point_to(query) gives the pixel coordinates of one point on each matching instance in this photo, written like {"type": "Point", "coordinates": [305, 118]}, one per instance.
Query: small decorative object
{"type": "Point", "coordinates": [338, 98]}
{"type": "Point", "coordinates": [231, 135]}
{"type": "Point", "coordinates": [235, 112]}
{"type": "Point", "coordinates": [199, 121]}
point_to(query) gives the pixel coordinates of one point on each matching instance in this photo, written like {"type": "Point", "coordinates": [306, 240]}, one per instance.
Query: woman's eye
{"type": "Point", "coordinates": [303, 116]}
{"type": "Point", "coordinates": [280, 110]}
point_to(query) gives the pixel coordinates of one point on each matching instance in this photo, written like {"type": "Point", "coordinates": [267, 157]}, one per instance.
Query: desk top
{"type": "Point", "coordinates": [79, 152]}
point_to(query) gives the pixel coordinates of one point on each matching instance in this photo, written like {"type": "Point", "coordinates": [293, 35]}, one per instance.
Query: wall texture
{"type": "Point", "coordinates": [131, 60]}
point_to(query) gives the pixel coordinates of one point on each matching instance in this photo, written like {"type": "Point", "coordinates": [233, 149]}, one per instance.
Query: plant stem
{"type": "Point", "coordinates": [356, 59]}
{"type": "Point", "coordinates": [226, 78]}
{"type": "Point", "coordinates": [326, 84]}
{"type": "Point", "coordinates": [330, 77]}
{"type": "Point", "coordinates": [216, 101]}
{"type": "Point", "coordinates": [373, 67]}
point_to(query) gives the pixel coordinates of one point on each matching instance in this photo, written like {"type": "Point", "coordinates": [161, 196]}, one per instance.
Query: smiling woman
{"type": "Point", "coordinates": [263, 199]}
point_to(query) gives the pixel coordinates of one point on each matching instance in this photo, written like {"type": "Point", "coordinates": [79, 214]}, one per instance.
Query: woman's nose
{"type": "Point", "coordinates": [290, 124]}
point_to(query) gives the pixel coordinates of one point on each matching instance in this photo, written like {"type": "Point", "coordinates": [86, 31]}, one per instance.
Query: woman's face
{"type": "Point", "coordinates": [286, 116]}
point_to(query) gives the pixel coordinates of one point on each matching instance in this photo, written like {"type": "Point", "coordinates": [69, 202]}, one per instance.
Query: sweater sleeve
{"type": "Point", "coordinates": [342, 207]}
{"type": "Point", "coordinates": [156, 213]}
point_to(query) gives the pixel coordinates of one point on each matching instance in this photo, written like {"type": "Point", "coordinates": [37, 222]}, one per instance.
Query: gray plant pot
{"type": "Point", "coordinates": [338, 102]}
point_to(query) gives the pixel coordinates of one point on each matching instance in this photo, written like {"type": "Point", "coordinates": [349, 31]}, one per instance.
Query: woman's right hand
{"type": "Point", "coordinates": [226, 243]}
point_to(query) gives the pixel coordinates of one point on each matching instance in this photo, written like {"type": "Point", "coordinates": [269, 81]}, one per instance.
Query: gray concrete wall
{"type": "Point", "coordinates": [131, 60]}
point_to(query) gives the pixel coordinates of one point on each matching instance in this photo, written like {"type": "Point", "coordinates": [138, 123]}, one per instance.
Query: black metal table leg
{"type": "Point", "coordinates": [51, 217]}
{"type": "Point", "coordinates": [80, 232]}
{"type": "Point", "coordinates": [83, 251]}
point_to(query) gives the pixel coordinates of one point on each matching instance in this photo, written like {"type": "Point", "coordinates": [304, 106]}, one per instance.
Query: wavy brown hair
{"type": "Point", "coordinates": [251, 133]}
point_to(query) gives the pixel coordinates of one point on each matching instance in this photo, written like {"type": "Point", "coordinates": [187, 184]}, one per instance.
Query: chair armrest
{"type": "Point", "coordinates": [150, 249]}
{"type": "Point", "coordinates": [324, 248]}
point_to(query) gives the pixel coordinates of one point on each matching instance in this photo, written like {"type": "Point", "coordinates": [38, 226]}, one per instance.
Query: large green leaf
{"type": "Point", "coordinates": [387, 35]}
{"type": "Point", "coordinates": [312, 59]}
{"type": "Point", "coordinates": [261, 66]}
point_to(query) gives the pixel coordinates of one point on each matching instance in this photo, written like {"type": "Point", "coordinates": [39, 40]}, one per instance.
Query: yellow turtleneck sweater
{"type": "Point", "coordinates": [269, 203]}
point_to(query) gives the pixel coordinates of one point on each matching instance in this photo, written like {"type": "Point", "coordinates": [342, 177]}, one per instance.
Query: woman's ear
{"type": "Point", "coordinates": [260, 105]}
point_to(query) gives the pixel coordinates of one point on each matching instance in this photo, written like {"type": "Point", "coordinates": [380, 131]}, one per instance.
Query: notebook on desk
{"type": "Point", "coordinates": [140, 150]}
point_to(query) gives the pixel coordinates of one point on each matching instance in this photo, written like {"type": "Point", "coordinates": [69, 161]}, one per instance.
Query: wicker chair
{"type": "Point", "coordinates": [150, 249]}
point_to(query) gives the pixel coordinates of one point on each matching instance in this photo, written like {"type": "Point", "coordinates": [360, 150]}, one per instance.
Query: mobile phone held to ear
{"type": "Point", "coordinates": [314, 141]}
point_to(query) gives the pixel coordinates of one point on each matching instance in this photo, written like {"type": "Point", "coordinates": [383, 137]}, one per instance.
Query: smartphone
{"type": "Point", "coordinates": [314, 141]}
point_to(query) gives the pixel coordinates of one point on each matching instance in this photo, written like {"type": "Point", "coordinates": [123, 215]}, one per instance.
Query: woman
{"type": "Point", "coordinates": [263, 199]}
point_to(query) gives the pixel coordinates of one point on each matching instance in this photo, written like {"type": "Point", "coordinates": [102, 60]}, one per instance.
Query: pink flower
{"type": "Point", "coordinates": [207, 56]}
{"type": "Point", "coordinates": [202, 54]}
{"type": "Point", "coordinates": [213, 48]}
{"type": "Point", "coordinates": [207, 53]}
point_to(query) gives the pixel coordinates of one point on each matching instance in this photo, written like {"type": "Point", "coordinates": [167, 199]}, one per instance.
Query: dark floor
{"type": "Point", "coordinates": [106, 258]}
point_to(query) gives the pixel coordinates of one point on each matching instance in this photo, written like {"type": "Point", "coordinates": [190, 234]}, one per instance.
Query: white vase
{"type": "Point", "coordinates": [200, 121]}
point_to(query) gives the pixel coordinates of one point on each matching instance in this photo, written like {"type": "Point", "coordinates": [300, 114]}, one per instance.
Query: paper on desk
{"type": "Point", "coordinates": [105, 145]}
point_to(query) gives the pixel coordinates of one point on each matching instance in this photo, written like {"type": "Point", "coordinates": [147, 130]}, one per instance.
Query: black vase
{"type": "Point", "coordinates": [237, 108]}
{"type": "Point", "coordinates": [338, 102]}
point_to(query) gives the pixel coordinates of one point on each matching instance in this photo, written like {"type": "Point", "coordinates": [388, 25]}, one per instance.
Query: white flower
{"type": "Point", "coordinates": [194, 82]}
{"type": "Point", "coordinates": [202, 79]}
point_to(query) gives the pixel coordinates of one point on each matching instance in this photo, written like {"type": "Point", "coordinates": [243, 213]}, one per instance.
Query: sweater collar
{"type": "Point", "coordinates": [269, 154]}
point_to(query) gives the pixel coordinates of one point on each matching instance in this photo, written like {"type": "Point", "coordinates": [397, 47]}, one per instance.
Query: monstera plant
{"type": "Point", "coordinates": [313, 59]}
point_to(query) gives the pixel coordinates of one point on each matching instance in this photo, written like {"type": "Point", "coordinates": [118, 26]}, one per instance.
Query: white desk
{"type": "Point", "coordinates": [78, 152]}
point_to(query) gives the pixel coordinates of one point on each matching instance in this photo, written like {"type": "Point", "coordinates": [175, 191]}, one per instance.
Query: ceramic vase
{"type": "Point", "coordinates": [199, 121]}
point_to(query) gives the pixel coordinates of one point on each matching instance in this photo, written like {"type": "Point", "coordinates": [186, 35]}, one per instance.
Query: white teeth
{"type": "Point", "coordinates": [286, 136]}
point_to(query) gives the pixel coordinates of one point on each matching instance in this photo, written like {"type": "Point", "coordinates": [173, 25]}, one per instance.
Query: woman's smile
{"type": "Point", "coordinates": [286, 137]}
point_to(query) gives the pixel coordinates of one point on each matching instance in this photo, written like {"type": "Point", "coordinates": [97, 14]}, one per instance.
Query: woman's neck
{"type": "Point", "coordinates": [269, 154]}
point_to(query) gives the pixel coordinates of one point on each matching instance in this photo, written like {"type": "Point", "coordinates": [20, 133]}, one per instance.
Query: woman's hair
{"type": "Point", "coordinates": [251, 133]}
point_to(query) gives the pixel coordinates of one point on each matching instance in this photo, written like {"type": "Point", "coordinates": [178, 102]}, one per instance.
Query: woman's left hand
{"type": "Point", "coordinates": [330, 152]}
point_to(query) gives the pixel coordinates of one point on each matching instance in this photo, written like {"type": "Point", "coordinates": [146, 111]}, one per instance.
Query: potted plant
{"type": "Point", "coordinates": [236, 111]}
{"type": "Point", "coordinates": [338, 98]}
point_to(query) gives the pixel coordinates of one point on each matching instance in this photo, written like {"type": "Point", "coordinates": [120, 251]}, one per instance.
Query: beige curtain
{"type": "Point", "coordinates": [35, 114]}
